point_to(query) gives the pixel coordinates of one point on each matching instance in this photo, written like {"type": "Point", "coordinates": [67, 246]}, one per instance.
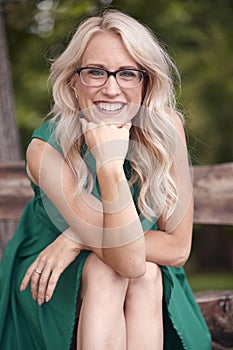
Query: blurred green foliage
{"type": "Point", "coordinates": [210, 281]}
{"type": "Point", "coordinates": [197, 34]}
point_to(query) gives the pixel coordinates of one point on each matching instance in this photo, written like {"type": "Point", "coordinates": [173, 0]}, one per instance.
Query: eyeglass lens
{"type": "Point", "coordinates": [98, 77]}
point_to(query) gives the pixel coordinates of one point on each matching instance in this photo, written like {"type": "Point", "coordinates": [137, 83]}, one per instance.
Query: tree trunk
{"type": "Point", "coordinates": [9, 136]}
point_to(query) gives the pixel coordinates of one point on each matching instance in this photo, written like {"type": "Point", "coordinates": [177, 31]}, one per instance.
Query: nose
{"type": "Point", "coordinates": [111, 87]}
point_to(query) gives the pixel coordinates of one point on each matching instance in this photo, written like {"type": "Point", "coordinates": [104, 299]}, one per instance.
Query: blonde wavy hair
{"type": "Point", "coordinates": [153, 132]}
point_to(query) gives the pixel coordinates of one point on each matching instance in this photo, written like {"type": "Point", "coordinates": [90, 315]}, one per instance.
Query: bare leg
{"type": "Point", "coordinates": [102, 322]}
{"type": "Point", "coordinates": [143, 311]}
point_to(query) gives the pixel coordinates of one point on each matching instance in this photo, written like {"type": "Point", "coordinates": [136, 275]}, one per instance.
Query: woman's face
{"type": "Point", "coordinates": [109, 103]}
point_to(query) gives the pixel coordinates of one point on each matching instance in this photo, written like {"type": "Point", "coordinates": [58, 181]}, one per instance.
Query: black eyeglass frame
{"type": "Point", "coordinates": [113, 73]}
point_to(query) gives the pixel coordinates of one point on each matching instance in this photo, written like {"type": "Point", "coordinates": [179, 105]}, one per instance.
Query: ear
{"type": "Point", "coordinates": [74, 87]}
{"type": "Point", "coordinates": [75, 91]}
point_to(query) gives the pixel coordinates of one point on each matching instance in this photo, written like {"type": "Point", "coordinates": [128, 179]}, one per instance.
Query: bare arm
{"type": "Point", "coordinates": [171, 244]}
{"type": "Point", "coordinates": [123, 236]}
{"type": "Point", "coordinates": [171, 249]}
{"type": "Point", "coordinates": [83, 212]}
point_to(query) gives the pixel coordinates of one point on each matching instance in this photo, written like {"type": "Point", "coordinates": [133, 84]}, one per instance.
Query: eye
{"type": "Point", "coordinates": [96, 73]}
{"type": "Point", "coordinates": [128, 74]}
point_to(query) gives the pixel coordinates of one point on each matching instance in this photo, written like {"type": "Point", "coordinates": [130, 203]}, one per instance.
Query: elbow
{"type": "Point", "coordinates": [133, 271]}
{"type": "Point", "coordinates": [181, 259]}
{"type": "Point", "coordinates": [179, 262]}
{"type": "Point", "coordinates": [133, 266]}
{"type": "Point", "coordinates": [129, 261]}
{"type": "Point", "coordinates": [127, 266]}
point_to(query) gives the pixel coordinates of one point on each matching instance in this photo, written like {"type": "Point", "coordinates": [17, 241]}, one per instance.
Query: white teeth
{"type": "Point", "coordinates": [111, 107]}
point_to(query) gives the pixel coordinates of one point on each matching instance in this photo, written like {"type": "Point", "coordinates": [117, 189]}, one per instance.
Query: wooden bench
{"type": "Point", "coordinates": [213, 192]}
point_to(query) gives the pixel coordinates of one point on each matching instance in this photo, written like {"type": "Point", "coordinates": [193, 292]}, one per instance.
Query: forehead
{"type": "Point", "coordinates": [107, 49]}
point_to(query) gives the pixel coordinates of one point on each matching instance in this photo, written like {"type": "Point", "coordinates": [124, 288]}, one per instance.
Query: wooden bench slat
{"type": "Point", "coordinates": [213, 194]}
{"type": "Point", "coordinates": [15, 190]}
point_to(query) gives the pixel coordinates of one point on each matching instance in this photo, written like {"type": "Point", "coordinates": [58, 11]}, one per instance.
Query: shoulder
{"type": "Point", "coordinates": [38, 150]}
{"type": "Point", "coordinates": [33, 156]}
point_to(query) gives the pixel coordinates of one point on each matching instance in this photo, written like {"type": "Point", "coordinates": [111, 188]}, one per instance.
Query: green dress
{"type": "Point", "coordinates": [25, 325]}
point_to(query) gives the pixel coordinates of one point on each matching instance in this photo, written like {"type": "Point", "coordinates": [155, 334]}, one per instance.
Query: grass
{"type": "Point", "coordinates": [210, 281]}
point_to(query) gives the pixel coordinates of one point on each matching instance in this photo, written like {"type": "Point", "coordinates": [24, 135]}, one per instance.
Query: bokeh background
{"type": "Point", "coordinates": [197, 34]}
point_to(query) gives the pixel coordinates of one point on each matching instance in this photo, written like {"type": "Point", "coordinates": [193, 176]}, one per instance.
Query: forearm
{"type": "Point", "coordinates": [165, 249]}
{"type": "Point", "coordinates": [173, 248]}
{"type": "Point", "coordinates": [118, 238]}
{"type": "Point", "coordinates": [123, 238]}
{"type": "Point", "coordinates": [121, 224]}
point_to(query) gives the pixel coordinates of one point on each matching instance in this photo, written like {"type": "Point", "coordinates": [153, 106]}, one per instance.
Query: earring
{"type": "Point", "coordinates": [76, 95]}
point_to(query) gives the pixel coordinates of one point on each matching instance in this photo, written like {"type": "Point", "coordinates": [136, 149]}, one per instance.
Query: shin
{"type": "Point", "coordinates": [102, 322]}
{"type": "Point", "coordinates": [143, 311]}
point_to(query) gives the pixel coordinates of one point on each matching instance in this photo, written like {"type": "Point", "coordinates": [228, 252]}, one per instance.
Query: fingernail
{"type": "Point", "coordinates": [40, 301]}
{"type": "Point", "coordinates": [47, 298]}
{"type": "Point", "coordinates": [21, 288]}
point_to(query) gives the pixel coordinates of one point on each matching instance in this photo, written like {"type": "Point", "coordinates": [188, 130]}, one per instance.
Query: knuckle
{"type": "Point", "coordinates": [49, 262]}
{"type": "Point", "coordinates": [52, 282]}
{"type": "Point", "coordinates": [33, 289]}
{"type": "Point", "coordinates": [29, 271]}
{"type": "Point", "coordinates": [42, 260]}
{"type": "Point", "coordinates": [51, 288]}
{"type": "Point", "coordinates": [34, 278]}
{"type": "Point", "coordinates": [41, 289]}
{"type": "Point", "coordinates": [41, 292]}
{"type": "Point", "coordinates": [43, 282]}
{"type": "Point", "coordinates": [59, 269]}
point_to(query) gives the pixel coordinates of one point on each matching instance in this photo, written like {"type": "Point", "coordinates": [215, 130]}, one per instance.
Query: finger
{"type": "Point", "coordinates": [28, 275]}
{"type": "Point", "coordinates": [84, 124]}
{"type": "Point", "coordinates": [127, 125]}
{"type": "Point", "coordinates": [54, 277]}
{"type": "Point", "coordinates": [42, 285]}
{"type": "Point", "coordinates": [34, 284]}
{"type": "Point", "coordinates": [35, 279]}
{"type": "Point", "coordinates": [87, 126]}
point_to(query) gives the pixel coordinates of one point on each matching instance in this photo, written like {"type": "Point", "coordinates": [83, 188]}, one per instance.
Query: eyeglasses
{"type": "Point", "coordinates": [97, 77]}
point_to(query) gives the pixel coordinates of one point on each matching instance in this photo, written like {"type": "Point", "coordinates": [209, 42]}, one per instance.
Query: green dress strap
{"type": "Point", "coordinates": [47, 132]}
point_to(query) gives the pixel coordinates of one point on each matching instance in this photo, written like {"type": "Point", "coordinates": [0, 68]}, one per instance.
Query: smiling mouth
{"type": "Point", "coordinates": [110, 107]}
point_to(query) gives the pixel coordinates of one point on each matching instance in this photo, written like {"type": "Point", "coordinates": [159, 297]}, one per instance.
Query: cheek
{"type": "Point", "coordinates": [84, 98]}
{"type": "Point", "coordinates": [137, 97]}
{"type": "Point", "coordinates": [81, 93]}
{"type": "Point", "coordinates": [81, 101]}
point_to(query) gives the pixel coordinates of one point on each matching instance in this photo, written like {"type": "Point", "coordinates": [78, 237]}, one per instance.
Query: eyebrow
{"type": "Point", "coordinates": [102, 66]}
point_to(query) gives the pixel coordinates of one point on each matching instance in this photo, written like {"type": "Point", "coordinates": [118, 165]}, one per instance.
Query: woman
{"type": "Point", "coordinates": [111, 221]}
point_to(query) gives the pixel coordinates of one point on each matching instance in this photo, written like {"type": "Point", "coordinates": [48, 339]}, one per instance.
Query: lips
{"type": "Point", "coordinates": [112, 107]}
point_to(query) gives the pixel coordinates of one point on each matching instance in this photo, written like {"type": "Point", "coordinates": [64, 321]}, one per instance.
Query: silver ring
{"type": "Point", "coordinates": [38, 271]}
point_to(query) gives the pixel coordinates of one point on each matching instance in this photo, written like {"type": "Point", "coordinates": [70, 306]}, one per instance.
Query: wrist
{"type": "Point", "coordinates": [109, 177]}
{"type": "Point", "coordinates": [72, 240]}
{"type": "Point", "coordinates": [111, 171]}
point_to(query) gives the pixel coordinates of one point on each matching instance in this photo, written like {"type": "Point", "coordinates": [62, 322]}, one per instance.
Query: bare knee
{"type": "Point", "coordinates": [150, 284]}
{"type": "Point", "coordinates": [101, 281]}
